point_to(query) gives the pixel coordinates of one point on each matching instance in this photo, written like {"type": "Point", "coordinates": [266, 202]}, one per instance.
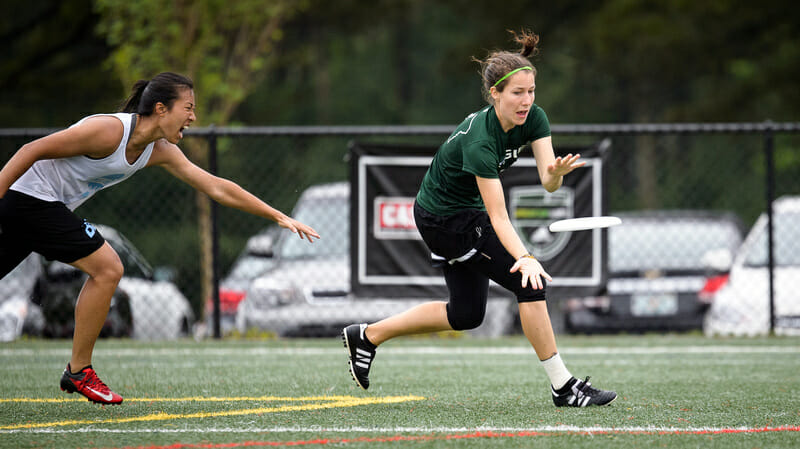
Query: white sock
{"type": "Point", "coordinates": [556, 371]}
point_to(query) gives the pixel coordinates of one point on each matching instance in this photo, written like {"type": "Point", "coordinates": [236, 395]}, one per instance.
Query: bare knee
{"type": "Point", "coordinates": [102, 266]}
{"type": "Point", "coordinates": [109, 273]}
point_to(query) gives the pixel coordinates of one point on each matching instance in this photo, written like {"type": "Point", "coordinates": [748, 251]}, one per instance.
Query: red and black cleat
{"type": "Point", "coordinates": [89, 385]}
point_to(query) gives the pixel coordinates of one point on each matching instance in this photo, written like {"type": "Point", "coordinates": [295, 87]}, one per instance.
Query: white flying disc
{"type": "Point", "coordinates": [581, 224]}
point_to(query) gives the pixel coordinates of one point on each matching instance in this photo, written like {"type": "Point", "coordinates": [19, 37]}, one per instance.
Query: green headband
{"type": "Point", "coordinates": [511, 73]}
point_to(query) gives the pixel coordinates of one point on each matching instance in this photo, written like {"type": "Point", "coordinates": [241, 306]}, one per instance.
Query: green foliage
{"type": "Point", "coordinates": [49, 64]}
{"type": "Point", "coordinates": [401, 61]}
{"type": "Point", "coordinates": [223, 46]}
{"type": "Point", "coordinates": [699, 61]}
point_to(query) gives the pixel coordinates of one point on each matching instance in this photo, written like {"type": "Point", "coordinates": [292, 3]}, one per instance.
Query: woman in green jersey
{"type": "Point", "coordinates": [461, 214]}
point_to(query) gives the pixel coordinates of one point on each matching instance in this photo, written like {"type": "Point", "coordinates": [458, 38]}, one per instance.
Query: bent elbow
{"type": "Point", "coordinates": [552, 184]}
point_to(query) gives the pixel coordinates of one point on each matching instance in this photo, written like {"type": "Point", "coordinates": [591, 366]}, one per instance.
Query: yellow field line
{"type": "Point", "coordinates": [185, 399]}
{"type": "Point", "coordinates": [333, 402]}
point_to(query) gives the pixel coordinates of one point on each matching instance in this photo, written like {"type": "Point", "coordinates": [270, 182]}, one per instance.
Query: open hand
{"type": "Point", "coordinates": [562, 166]}
{"type": "Point", "coordinates": [302, 230]}
{"type": "Point", "coordinates": [532, 270]}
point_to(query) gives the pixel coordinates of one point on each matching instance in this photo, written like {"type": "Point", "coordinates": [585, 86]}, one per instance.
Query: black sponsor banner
{"type": "Point", "coordinates": [389, 258]}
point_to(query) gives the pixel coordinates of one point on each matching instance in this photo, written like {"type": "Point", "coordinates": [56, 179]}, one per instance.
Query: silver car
{"type": "Point", "coordinates": [256, 259]}
{"type": "Point", "coordinates": [308, 292]}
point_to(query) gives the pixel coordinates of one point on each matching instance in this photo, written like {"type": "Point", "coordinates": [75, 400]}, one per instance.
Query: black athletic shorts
{"type": "Point", "coordinates": [471, 254]}
{"type": "Point", "coordinates": [28, 224]}
{"type": "Point", "coordinates": [452, 237]}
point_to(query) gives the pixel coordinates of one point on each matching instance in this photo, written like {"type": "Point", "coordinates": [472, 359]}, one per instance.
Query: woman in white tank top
{"type": "Point", "coordinates": [48, 178]}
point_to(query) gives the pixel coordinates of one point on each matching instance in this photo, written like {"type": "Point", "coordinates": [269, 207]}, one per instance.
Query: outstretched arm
{"type": "Point", "coordinates": [222, 190]}
{"type": "Point", "coordinates": [552, 169]}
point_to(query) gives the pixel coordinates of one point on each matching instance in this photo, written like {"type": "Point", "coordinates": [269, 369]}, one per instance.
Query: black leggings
{"type": "Point", "coordinates": [453, 236]}
{"type": "Point", "coordinates": [468, 283]}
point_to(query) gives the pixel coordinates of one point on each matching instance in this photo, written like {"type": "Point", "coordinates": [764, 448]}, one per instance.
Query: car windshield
{"type": "Point", "coordinates": [135, 264]}
{"type": "Point", "coordinates": [249, 266]}
{"type": "Point", "coordinates": [330, 217]}
{"type": "Point", "coordinates": [661, 244]}
{"type": "Point", "coordinates": [787, 243]}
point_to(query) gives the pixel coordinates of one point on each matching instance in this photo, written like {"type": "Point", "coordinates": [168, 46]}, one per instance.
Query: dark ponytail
{"type": "Point", "coordinates": [528, 40]}
{"type": "Point", "coordinates": [164, 88]}
{"type": "Point", "coordinates": [132, 103]}
{"type": "Point", "coordinates": [500, 63]}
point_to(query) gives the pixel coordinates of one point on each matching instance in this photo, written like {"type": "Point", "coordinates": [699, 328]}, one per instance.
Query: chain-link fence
{"type": "Point", "coordinates": [692, 250]}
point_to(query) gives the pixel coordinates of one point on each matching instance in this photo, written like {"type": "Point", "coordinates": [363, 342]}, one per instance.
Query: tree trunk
{"type": "Point", "coordinates": [645, 150]}
{"type": "Point", "coordinates": [197, 151]}
{"type": "Point", "coordinates": [646, 171]}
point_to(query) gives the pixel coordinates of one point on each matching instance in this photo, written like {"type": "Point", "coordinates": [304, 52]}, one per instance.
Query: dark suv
{"type": "Point", "coordinates": [662, 267]}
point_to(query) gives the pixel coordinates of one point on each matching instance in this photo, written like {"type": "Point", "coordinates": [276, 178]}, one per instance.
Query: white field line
{"type": "Point", "coordinates": [418, 350]}
{"type": "Point", "coordinates": [399, 430]}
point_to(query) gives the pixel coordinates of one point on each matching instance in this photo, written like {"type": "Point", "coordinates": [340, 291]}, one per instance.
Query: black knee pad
{"type": "Point", "coordinates": [530, 295]}
{"type": "Point", "coordinates": [465, 318]}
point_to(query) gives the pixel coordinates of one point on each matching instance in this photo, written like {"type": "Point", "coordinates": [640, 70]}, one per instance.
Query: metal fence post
{"type": "Point", "coordinates": [769, 160]}
{"type": "Point", "coordinates": [212, 167]}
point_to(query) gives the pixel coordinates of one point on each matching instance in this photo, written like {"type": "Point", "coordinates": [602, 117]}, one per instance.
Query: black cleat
{"type": "Point", "coordinates": [580, 393]}
{"type": "Point", "coordinates": [360, 353]}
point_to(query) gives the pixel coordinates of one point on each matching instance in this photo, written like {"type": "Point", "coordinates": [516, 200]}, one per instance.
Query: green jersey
{"type": "Point", "coordinates": [478, 147]}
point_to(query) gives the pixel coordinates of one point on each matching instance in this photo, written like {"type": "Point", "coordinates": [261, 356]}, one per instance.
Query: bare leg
{"type": "Point", "coordinates": [105, 270]}
{"type": "Point", "coordinates": [537, 327]}
{"type": "Point", "coordinates": [421, 319]}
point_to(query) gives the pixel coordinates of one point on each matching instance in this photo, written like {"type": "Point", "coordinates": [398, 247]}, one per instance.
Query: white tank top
{"type": "Point", "coordinates": [73, 180]}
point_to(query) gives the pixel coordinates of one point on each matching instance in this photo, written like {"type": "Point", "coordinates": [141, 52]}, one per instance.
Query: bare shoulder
{"type": "Point", "coordinates": [166, 153]}
{"type": "Point", "coordinates": [102, 125]}
{"type": "Point", "coordinates": [102, 133]}
{"type": "Point", "coordinates": [96, 137]}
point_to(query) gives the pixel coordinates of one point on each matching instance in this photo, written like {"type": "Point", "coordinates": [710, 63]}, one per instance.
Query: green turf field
{"type": "Point", "coordinates": [674, 391]}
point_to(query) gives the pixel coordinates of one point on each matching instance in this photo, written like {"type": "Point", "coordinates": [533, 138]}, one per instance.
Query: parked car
{"type": "Point", "coordinates": [38, 298]}
{"type": "Point", "coordinates": [160, 310]}
{"type": "Point", "coordinates": [307, 292]}
{"type": "Point", "coordinates": [254, 260]}
{"type": "Point", "coordinates": [44, 295]}
{"type": "Point", "coordinates": [663, 268]}
{"type": "Point", "coordinates": [741, 305]}
{"type": "Point", "coordinates": [56, 292]}
{"type": "Point", "coordinates": [16, 309]}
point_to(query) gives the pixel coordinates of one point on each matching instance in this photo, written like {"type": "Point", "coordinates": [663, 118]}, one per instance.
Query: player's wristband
{"type": "Point", "coordinates": [526, 256]}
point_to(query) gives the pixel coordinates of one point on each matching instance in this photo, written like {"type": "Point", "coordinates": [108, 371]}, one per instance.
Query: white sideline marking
{"type": "Point", "coordinates": [419, 350]}
{"type": "Point", "coordinates": [320, 429]}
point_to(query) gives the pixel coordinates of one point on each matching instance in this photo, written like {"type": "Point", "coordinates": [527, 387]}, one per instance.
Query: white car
{"type": "Point", "coordinates": [156, 309]}
{"type": "Point", "coordinates": [15, 307]}
{"type": "Point", "coordinates": [160, 311]}
{"type": "Point", "coordinates": [741, 306]}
